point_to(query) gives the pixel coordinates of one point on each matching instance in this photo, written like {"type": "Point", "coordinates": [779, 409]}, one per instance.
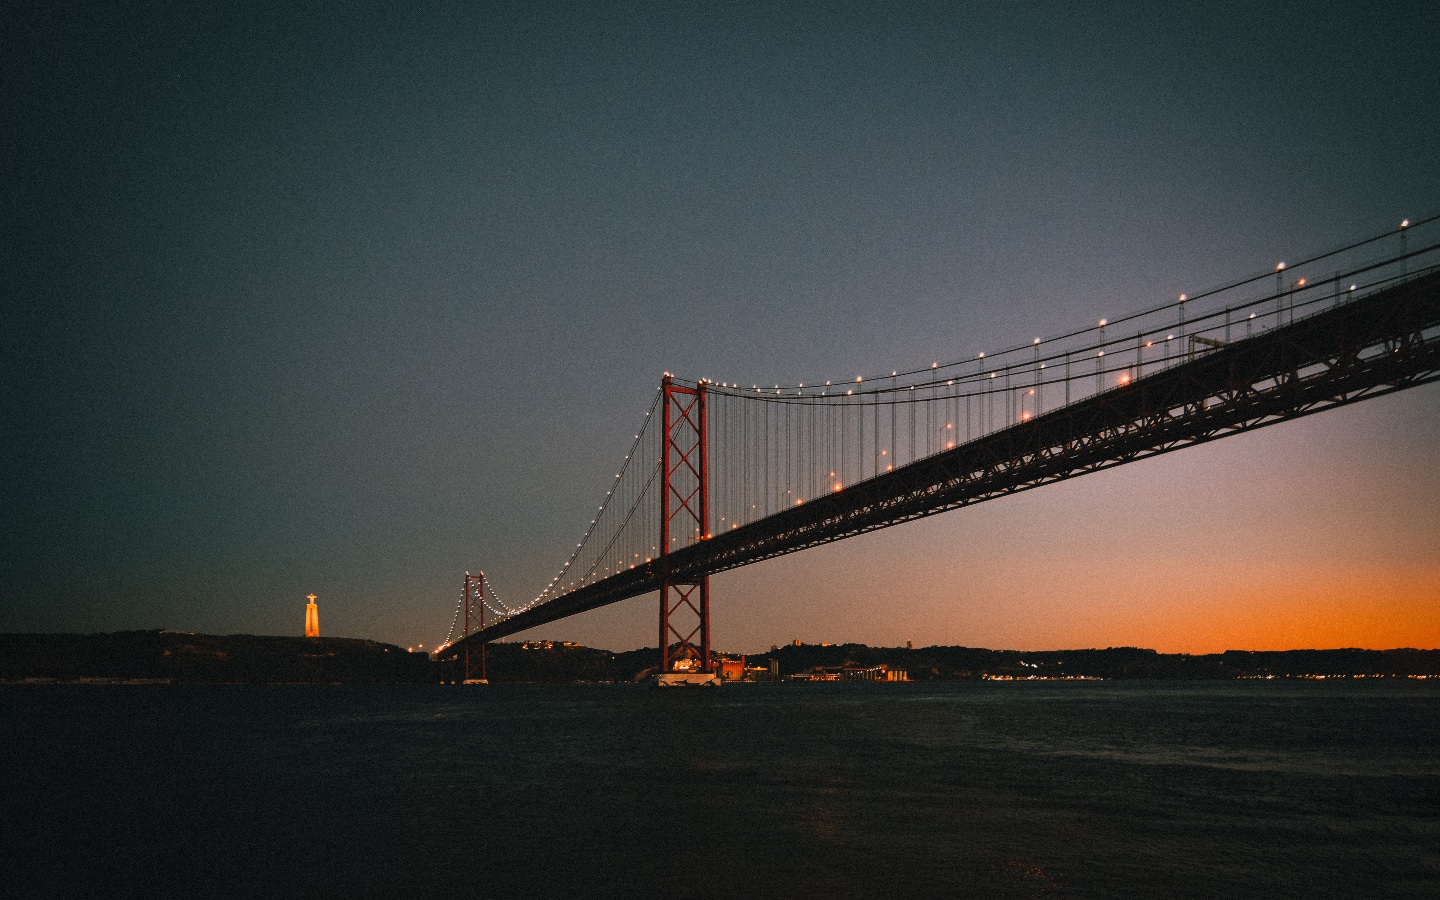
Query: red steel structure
{"type": "Point", "coordinates": [474, 590]}
{"type": "Point", "coordinates": [684, 519]}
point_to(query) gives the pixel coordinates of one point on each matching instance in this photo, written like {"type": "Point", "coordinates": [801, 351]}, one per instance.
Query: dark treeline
{"type": "Point", "coordinates": [208, 659]}
{"type": "Point", "coordinates": [555, 663]}
{"type": "Point", "coordinates": [959, 663]}
{"type": "Point", "coordinates": [536, 662]}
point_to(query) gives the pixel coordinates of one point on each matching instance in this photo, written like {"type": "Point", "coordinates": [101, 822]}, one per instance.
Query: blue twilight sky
{"type": "Point", "coordinates": [352, 297]}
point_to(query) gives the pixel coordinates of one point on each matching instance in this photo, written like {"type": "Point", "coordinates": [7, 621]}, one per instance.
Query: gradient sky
{"type": "Point", "coordinates": [349, 298]}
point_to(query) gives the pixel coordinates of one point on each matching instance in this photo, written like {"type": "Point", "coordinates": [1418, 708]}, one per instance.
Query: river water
{"type": "Point", "coordinates": [1214, 789]}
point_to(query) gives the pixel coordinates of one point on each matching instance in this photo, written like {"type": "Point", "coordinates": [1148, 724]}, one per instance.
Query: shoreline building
{"type": "Point", "coordinates": [312, 617]}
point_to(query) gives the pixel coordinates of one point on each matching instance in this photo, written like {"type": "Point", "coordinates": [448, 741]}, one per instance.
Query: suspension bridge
{"type": "Point", "coordinates": [721, 475]}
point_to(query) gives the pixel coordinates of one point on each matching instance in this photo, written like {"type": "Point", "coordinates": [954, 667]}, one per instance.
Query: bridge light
{"type": "Point", "coordinates": [1352, 287]}
{"type": "Point", "coordinates": [1037, 340]}
{"type": "Point", "coordinates": [1101, 325]}
{"type": "Point", "coordinates": [837, 486]}
{"type": "Point", "coordinates": [981, 356]}
{"type": "Point", "coordinates": [1405, 223]}
{"type": "Point", "coordinates": [1280, 267]}
{"type": "Point", "coordinates": [1182, 298]}
{"type": "Point", "coordinates": [1300, 283]}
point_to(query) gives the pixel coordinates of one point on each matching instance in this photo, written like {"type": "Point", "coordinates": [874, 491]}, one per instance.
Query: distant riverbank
{"type": "Point", "coordinates": [554, 662]}
{"type": "Point", "coordinates": [146, 657]}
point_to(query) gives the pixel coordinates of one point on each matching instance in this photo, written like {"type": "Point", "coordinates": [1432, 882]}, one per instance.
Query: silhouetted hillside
{"type": "Point", "coordinates": [208, 658]}
{"type": "Point", "coordinates": [550, 662]}
{"type": "Point", "coordinates": [961, 663]}
{"type": "Point", "coordinates": [255, 659]}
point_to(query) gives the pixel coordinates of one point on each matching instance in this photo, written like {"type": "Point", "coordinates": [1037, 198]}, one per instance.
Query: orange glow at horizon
{"type": "Point", "coordinates": [1317, 610]}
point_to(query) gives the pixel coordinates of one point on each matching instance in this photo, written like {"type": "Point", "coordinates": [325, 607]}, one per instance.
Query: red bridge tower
{"type": "Point", "coordinates": [684, 519]}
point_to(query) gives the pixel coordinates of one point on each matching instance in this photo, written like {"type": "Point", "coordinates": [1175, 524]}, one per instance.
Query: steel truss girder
{"type": "Point", "coordinates": [1373, 346]}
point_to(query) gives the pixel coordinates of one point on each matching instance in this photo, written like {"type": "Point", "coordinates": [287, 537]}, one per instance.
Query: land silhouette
{"type": "Point", "coordinates": [185, 658]}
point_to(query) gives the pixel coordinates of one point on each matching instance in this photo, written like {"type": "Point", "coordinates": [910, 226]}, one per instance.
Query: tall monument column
{"type": "Point", "coordinates": [312, 617]}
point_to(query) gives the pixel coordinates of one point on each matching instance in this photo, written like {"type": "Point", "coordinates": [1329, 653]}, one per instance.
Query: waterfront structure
{"type": "Point", "coordinates": [881, 672]}
{"type": "Point", "coordinates": [312, 617]}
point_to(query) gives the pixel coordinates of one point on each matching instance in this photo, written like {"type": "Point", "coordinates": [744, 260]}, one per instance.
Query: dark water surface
{"type": "Point", "coordinates": [1234, 789]}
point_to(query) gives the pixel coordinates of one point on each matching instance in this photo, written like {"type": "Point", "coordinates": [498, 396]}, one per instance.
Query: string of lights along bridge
{"type": "Point", "coordinates": [724, 473]}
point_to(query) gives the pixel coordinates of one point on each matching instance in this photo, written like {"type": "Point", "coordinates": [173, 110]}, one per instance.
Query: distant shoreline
{"type": "Point", "coordinates": [160, 657]}
{"type": "Point", "coordinates": [168, 657]}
